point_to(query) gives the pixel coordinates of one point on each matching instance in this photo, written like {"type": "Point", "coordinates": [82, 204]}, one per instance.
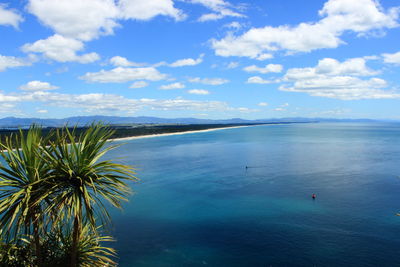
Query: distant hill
{"type": "Point", "coordinates": [12, 122]}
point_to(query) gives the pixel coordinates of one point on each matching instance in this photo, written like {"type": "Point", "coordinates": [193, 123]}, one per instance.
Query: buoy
{"type": "Point", "coordinates": [313, 196]}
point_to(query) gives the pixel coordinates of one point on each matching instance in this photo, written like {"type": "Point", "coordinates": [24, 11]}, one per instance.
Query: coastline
{"type": "Point", "coordinates": [178, 133]}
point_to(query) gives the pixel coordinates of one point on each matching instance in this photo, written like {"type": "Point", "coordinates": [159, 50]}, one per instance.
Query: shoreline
{"type": "Point", "coordinates": [178, 133]}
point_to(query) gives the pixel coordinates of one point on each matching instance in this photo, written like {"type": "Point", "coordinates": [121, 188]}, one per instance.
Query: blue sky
{"type": "Point", "coordinates": [200, 58]}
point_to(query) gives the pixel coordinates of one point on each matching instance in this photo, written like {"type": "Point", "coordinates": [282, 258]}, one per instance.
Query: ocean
{"type": "Point", "coordinates": [198, 205]}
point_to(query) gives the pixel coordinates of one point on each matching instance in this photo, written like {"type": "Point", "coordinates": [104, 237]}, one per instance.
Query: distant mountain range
{"type": "Point", "coordinates": [12, 122]}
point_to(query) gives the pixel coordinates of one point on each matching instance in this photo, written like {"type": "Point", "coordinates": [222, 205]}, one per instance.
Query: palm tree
{"type": "Point", "coordinates": [21, 191]}
{"type": "Point", "coordinates": [82, 182]}
{"type": "Point", "coordinates": [90, 252]}
{"type": "Point", "coordinates": [56, 245]}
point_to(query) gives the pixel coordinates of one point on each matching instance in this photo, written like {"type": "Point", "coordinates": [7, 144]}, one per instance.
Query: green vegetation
{"type": "Point", "coordinates": [53, 191]}
{"type": "Point", "coordinates": [120, 131]}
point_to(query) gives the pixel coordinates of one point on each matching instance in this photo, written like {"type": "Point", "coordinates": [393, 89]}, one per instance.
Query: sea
{"type": "Point", "coordinates": [242, 197]}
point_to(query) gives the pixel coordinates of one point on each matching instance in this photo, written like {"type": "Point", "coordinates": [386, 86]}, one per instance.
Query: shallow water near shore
{"type": "Point", "coordinates": [198, 205]}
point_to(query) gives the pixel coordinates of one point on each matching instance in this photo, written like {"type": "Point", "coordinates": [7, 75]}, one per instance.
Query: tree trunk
{"type": "Point", "coordinates": [36, 238]}
{"type": "Point", "coordinates": [75, 240]}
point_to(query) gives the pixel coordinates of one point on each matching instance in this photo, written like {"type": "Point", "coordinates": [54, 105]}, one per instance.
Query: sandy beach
{"type": "Point", "coordinates": [177, 133]}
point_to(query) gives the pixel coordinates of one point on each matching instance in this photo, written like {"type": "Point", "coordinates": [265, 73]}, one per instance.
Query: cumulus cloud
{"type": "Point", "coordinates": [208, 81]}
{"type": "Point", "coordinates": [172, 86]}
{"type": "Point", "coordinates": [341, 80]}
{"type": "Point", "coordinates": [392, 58]}
{"type": "Point", "coordinates": [338, 16]}
{"type": "Point", "coordinates": [119, 61]}
{"type": "Point", "coordinates": [263, 104]}
{"type": "Point", "coordinates": [330, 66]}
{"type": "Point", "coordinates": [198, 92]}
{"type": "Point", "coordinates": [9, 17]}
{"type": "Point", "coordinates": [146, 10]}
{"type": "Point", "coordinates": [37, 86]}
{"type": "Point", "coordinates": [61, 49]}
{"type": "Point", "coordinates": [139, 84]}
{"type": "Point", "coordinates": [276, 68]}
{"type": "Point", "coordinates": [89, 19]}
{"type": "Point", "coordinates": [83, 20]}
{"type": "Point", "coordinates": [13, 62]}
{"type": "Point", "coordinates": [121, 75]}
{"type": "Point", "coordinates": [187, 62]}
{"type": "Point", "coordinates": [76, 21]}
{"type": "Point", "coordinates": [352, 66]}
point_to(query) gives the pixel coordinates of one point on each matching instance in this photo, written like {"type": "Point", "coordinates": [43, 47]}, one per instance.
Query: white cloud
{"type": "Point", "coordinates": [9, 17]}
{"type": "Point", "coordinates": [209, 81]}
{"type": "Point", "coordinates": [139, 84]}
{"type": "Point", "coordinates": [264, 56]}
{"type": "Point", "coordinates": [121, 75]}
{"type": "Point", "coordinates": [106, 103]}
{"type": "Point", "coordinates": [76, 21]}
{"type": "Point", "coordinates": [333, 79]}
{"type": "Point", "coordinates": [247, 110]}
{"type": "Point", "coordinates": [210, 17]}
{"type": "Point", "coordinates": [392, 58]}
{"type": "Point", "coordinates": [61, 49]}
{"type": "Point", "coordinates": [123, 62]}
{"type": "Point", "coordinates": [187, 62]}
{"type": "Point", "coordinates": [344, 88]}
{"type": "Point", "coordinates": [199, 92]}
{"type": "Point", "coordinates": [339, 16]}
{"type": "Point", "coordinates": [13, 62]}
{"type": "Point", "coordinates": [87, 20]}
{"type": "Point", "coordinates": [332, 67]}
{"type": "Point", "coordinates": [146, 10]}
{"type": "Point", "coordinates": [233, 25]}
{"type": "Point", "coordinates": [219, 8]}
{"type": "Point", "coordinates": [9, 98]}
{"type": "Point", "coordinates": [352, 66]}
{"type": "Point", "coordinates": [172, 86]}
{"type": "Point", "coordinates": [232, 65]}
{"type": "Point", "coordinates": [263, 104]}
{"type": "Point", "coordinates": [83, 20]}
{"type": "Point", "coordinates": [8, 108]}
{"type": "Point", "coordinates": [181, 62]}
{"type": "Point", "coordinates": [42, 111]}
{"type": "Point", "coordinates": [37, 86]}
{"type": "Point", "coordinates": [259, 80]}
{"type": "Point", "coordinates": [276, 68]}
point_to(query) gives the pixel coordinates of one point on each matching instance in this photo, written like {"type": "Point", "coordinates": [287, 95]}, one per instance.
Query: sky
{"type": "Point", "coordinates": [211, 59]}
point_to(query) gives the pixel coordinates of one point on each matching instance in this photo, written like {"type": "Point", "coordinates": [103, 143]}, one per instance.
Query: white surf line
{"type": "Point", "coordinates": [180, 133]}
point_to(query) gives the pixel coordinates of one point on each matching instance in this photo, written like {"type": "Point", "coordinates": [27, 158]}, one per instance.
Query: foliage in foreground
{"type": "Point", "coordinates": [56, 247]}
{"type": "Point", "coordinates": [52, 197]}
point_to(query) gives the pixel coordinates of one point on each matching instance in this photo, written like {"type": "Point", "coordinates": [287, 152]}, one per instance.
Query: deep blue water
{"type": "Point", "coordinates": [197, 205]}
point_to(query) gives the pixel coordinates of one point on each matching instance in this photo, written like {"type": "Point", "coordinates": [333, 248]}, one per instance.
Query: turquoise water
{"type": "Point", "coordinates": [197, 204]}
